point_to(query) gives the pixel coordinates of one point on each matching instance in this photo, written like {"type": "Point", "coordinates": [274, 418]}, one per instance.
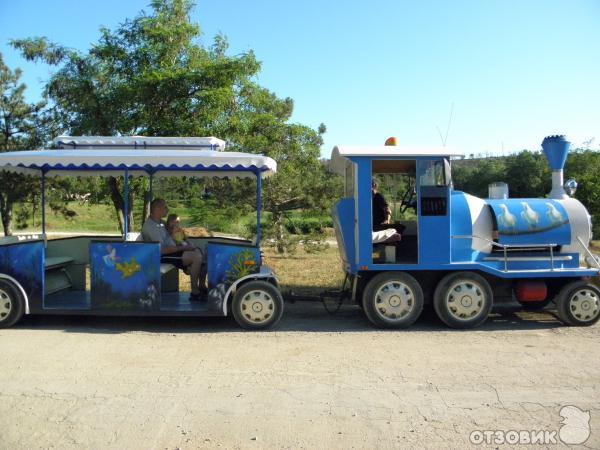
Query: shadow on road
{"type": "Point", "coordinates": [298, 317]}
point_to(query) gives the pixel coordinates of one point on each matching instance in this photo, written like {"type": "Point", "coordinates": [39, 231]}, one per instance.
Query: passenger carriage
{"type": "Point", "coordinates": [126, 277]}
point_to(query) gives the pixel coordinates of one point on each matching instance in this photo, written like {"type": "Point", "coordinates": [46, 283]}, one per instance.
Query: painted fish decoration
{"type": "Point", "coordinates": [128, 269]}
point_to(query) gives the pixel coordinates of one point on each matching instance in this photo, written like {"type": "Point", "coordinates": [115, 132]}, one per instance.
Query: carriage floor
{"type": "Point", "coordinates": [171, 303]}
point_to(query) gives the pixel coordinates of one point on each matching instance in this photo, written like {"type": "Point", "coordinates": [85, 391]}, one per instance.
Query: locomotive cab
{"type": "Point", "coordinates": [415, 186]}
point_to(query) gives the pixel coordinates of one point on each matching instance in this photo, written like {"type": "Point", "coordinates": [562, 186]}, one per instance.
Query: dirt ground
{"type": "Point", "coordinates": [317, 381]}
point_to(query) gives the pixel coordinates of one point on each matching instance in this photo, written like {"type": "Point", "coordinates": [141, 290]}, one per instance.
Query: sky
{"type": "Point", "coordinates": [485, 76]}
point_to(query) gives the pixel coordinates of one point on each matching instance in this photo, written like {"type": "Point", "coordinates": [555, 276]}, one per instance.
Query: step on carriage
{"type": "Point", "coordinates": [126, 277]}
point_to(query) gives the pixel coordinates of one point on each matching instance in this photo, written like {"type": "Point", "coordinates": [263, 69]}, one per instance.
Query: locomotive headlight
{"type": "Point", "coordinates": [570, 187]}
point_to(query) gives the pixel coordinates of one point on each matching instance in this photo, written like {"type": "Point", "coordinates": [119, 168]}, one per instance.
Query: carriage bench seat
{"type": "Point", "coordinates": [56, 262]}
{"type": "Point", "coordinates": [57, 278]}
{"type": "Point", "coordinates": [166, 267]}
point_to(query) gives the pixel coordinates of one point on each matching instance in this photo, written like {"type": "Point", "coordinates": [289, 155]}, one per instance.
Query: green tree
{"type": "Point", "coordinates": [584, 166]}
{"type": "Point", "coordinates": [475, 176]}
{"type": "Point", "coordinates": [150, 76]}
{"type": "Point", "coordinates": [528, 174]}
{"type": "Point", "coordinates": [22, 126]}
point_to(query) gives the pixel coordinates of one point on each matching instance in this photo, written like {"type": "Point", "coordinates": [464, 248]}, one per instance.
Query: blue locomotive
{"type": "Point", "coordinates": [459, 252]}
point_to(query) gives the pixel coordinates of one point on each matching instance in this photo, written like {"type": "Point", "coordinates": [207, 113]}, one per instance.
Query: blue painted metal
{"type": "Point", "coordinates": [125, 276]}
{"type": "Point", "coordinates": [24, 261]}
{"type": "Point", "coordinates": [343, 219]}
{"type": "Point", "coordinates": [543, 221]}
{"type": "Point", "coordinates": [126, 205]}
{"type": "Point", "coordinates": [531, 221]}
{"type": "Point", "coordinates": [364, 212]}
{"type": "Point", "coordinates": [556, 149]}
{"type": "Point", "coordinates": [434, 230]}
{"type": "Point", "coordinates": [43, 187]}
{"type": "Point", "coordinates": [258, 205]}
{"type": "Point", "coordinates": [228, 263]}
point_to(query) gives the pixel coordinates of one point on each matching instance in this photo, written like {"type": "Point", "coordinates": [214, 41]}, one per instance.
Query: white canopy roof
{"type": "Point", "coordinates": [339, 154]}
{"type": "Point", "coordinates": [78, 142]}
{"type": "Point", "coordinates": [161, 162]}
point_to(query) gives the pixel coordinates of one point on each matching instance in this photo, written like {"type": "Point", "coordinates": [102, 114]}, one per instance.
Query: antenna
{"type": "Point", "coordinates": [445, 139]}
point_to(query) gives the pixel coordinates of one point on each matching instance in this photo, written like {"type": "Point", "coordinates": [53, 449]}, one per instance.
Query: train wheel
{"type": "Point", "coordinates": [463, 300]}
{"type": "Point", "coordinates": [12, 306]}
{"type": "Point", "coordinates": [393, 300]}
{"type": "Point", "coordinates": [578, 304]}
{"type": "Point", "coordinates": [257, 305]}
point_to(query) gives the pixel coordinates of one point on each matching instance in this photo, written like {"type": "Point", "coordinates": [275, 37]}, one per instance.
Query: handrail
{"type": "Point", "coordinates": [505, 247]}
{"type": "Point", "coordinates": [589, 253]}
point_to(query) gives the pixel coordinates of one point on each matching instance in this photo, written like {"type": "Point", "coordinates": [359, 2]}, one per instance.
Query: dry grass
{"type": "Point", "coordinates": [306, 272]}
{"type": "Point", "coordinates": [303, 272]}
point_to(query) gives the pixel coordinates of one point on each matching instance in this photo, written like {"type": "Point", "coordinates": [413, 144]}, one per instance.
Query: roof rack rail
{"type": "Point", "coordinates": [138, 142]}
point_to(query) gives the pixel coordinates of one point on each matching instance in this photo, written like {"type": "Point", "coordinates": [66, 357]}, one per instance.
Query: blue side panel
{"type": "Point", "coordinates": [364, 213]}
{"type": "Point", "coordinates": [434, 230]}
{"type": "Point", "coordinates": [125, 276]}
{"type": "Point", "coordinates": [228, 263]}
{"type": "Point", "coordinates": [531, 221]}
{"type": "Point", "coordinates": [343, 220]}
{"type": "Point", "coordinates": [25, 263]}
{"type": "Point", "coordinates": [460, 225]}
{"type": "Point", "coordinates": [434, 240]}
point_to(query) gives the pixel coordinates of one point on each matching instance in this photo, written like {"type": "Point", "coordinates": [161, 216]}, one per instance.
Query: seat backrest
{"type": "Point", "coordinates": [134, 237]}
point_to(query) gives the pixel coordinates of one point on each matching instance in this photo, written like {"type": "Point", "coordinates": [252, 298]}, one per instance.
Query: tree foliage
{"type": "Point", "coordinates": [528, 176]}
{"type": "Point", "coordinates": [150, 76]}
{"type": "Point", "coordinates": [22, 126]}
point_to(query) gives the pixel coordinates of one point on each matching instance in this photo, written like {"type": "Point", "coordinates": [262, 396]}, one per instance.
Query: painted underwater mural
{"type": "Point", "coordinates": [25, 263]}
{"type": "Point", "coordinates": [226, 264]}
{"type": "Point", "coordinates": [125, 276]}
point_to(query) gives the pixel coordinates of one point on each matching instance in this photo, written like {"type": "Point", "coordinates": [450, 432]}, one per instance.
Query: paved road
{"type": "Point", "coordinates": [318, 381]}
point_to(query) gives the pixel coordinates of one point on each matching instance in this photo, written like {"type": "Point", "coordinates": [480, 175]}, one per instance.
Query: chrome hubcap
{"type": "Point", "coordinates": [257, 306]}
{"type": "Point", "coordinates": [585, 305]}
{"type": "Point", "coordinates": [394, 300]}
{"type": "Point", "coordinates": [465, 300]}
{"type": "Point", "coordinates": [5, 305]}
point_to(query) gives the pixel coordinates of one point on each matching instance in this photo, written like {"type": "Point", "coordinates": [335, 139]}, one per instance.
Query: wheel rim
{"type": "Point", "coordinates": [584, 305]}
{"type": "Point", "coordinates": [257, 306]}
{"type": "Point", "coordinates": [465, 300]}
{"type": "Point", "coordinates": [394, 300]}
{"type": "Point", "coordinates": [5, 304]}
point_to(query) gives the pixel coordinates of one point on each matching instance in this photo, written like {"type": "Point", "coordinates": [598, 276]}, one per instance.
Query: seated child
{"type": "Point", "coordinates": [175, 231]}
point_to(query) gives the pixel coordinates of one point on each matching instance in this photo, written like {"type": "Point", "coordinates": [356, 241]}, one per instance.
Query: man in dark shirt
{"type": "Point", "coordinates": [381, 210]}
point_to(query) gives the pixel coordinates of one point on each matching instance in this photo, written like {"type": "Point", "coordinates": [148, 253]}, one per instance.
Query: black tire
{"type": "Point", "coordinates": [257, 305]}
{"type": "Point", "coordinates": [578, 304]}
{"type": "Point", "coordinates": [393, 300]}
{"type": "Point", "coordinates": [475, 305]}
{"type": "Point", "coordinates": [12, 306]}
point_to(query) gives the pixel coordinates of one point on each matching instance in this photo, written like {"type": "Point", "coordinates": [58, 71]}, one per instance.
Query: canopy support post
{"type": "Point", "coordinates": [126, 206]}
{"type": "Point", "coordinates": [258, 195]}
{"type": "Point", "coordinates": [151, 183]}
{"type": "Point", "coordinates": [43, 187]}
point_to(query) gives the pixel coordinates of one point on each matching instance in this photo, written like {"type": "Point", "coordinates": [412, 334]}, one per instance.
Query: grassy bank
{"type": "Point", "coordinates": [102, 218]}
